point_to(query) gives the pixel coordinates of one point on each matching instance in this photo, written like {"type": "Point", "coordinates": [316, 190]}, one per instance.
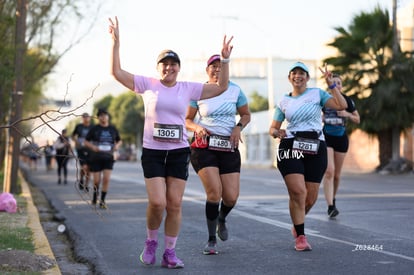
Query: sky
{"type": "Point", "coordinates": [194, 29]}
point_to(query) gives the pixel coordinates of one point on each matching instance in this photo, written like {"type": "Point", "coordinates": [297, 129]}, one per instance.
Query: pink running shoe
{"type": "Point", "coordinates": [301, 244]}
{"type": "Point", "coordinates": [147, 256]}
{"type": "Point", "coordinates": [169, 259]}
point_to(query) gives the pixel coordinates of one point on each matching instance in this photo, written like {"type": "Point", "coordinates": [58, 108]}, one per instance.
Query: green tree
{"type": "Point", "coordinates": [258, 103]}
{"type": "Point", "coordinates": [102, 103]}
{"type": "Point", "coordinates": [7, 29]}
{"type": "Point", "coordinates": [375, 78]}
{"type": "Point", "coordinates": [46, 21]}
{"type": "Point", "coordinates": [127, 112]}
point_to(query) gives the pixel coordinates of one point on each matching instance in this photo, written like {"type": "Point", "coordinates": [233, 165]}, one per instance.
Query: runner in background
{"type": "Point", "coordinates": [83, 153]}
{"type": "Point", "coordinates": [337, 143]}
{"type": "Point", "coordinates": [103, 140]}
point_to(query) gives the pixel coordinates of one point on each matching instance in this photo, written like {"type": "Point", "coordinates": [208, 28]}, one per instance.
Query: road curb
{"type": "Point", "coordinates": [41, 243]}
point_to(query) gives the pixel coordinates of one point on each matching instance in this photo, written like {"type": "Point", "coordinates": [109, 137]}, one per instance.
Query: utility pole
{"type": "Point", "coordinates": [395, 53]}
{"type": "Point", "coordinates": [395, 45]}
{"type": "Point", "coordinates": [13, 144]}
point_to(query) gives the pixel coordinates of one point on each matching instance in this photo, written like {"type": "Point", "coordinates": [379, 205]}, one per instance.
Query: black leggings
{"type": "Point", "coordinates": [62, 163]}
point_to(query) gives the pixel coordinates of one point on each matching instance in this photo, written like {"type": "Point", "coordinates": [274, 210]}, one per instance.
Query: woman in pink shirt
{"type": "Point", "coordinates": [166, 153]}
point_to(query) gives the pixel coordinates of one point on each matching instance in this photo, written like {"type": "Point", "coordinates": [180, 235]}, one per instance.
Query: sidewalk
{"type": "Point", "coordinates": [41, 243]}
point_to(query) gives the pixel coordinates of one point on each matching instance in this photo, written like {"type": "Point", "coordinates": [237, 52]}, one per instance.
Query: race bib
{"type": "Point", "coordinates": [104, 147]}
{"type": "Point", "coordinates": [305, 145]}
{"type": "Point", "coordinates": [81, 140]}
{"type": "Point", "coordinates": [220, 143]}
{"type": "Point", "coordinates": [167, 132]}
{"type": "Point", "coordinates": [334, 121]}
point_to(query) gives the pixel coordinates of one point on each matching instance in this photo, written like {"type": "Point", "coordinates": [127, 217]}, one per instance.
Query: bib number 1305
{"type": "Point", "coordinates": [168, 132]}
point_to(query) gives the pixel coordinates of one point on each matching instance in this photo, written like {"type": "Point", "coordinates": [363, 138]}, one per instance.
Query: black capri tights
{"type": "Point", "coordinates": [311, 166]}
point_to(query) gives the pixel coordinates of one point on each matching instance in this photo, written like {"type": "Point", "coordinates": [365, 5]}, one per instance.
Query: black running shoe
{"type": "Point", "coordinates": [333, 212]}
{"type": "Point", "coordinates": [222, 231]}
{"type": "Point", "coordinates": [102, 205]}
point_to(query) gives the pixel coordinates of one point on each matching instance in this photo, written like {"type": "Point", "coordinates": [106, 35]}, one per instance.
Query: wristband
{"type": "Point", "coordinates": [240, 125]}
{"type": "Point", "coordinates": [224, 60]}
{"type": "Point", "coordinates": [332, 86]}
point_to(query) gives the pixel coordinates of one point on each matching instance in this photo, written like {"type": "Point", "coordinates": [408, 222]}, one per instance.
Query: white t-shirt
{"type": "Point", "coordinates": [218, 114]}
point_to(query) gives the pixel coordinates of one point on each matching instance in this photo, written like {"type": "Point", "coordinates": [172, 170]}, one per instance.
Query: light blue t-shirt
{"type": "Point", "coordinates": [303, 112]}
{"type": "Point", "coordinates": [218, 114]}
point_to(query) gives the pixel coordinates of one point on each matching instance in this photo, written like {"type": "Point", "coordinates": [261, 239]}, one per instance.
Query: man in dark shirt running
{"type": "Point", "coordinates": [103, 140]}
{"type": "Point", "coordinates": [83, 152]}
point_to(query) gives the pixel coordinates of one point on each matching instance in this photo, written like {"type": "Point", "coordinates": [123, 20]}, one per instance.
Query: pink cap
{"type": "Point", "coordinates": [212, 59]}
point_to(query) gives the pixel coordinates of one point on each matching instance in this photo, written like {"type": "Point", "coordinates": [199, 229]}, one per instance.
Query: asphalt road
{"type": "Point", "coordinates": [373, 233]}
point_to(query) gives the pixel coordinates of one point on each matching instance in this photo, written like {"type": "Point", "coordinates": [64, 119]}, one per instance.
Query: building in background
{"type": "Point", "coordinates": [268, 76]}
{"type": "Point", "coordinates": [405, 25]}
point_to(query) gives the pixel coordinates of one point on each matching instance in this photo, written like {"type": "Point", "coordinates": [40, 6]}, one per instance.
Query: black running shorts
{"type": "Point", "coordinates": [101, 161]}
{"type": "Point", "coordinates": [166, 163]}
{"type": "Point", "coordinates": [338, 143]}
{"type": "Point", "coordinates": [227, 162]}
{"type": "Point", "coordinates": [311, 166]}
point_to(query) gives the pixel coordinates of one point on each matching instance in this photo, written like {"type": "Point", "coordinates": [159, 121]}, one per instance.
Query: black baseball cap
{"type": "Point", "coordinates": [168, 54]}
{"type": "Point", "coordinates": [102, 111]}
